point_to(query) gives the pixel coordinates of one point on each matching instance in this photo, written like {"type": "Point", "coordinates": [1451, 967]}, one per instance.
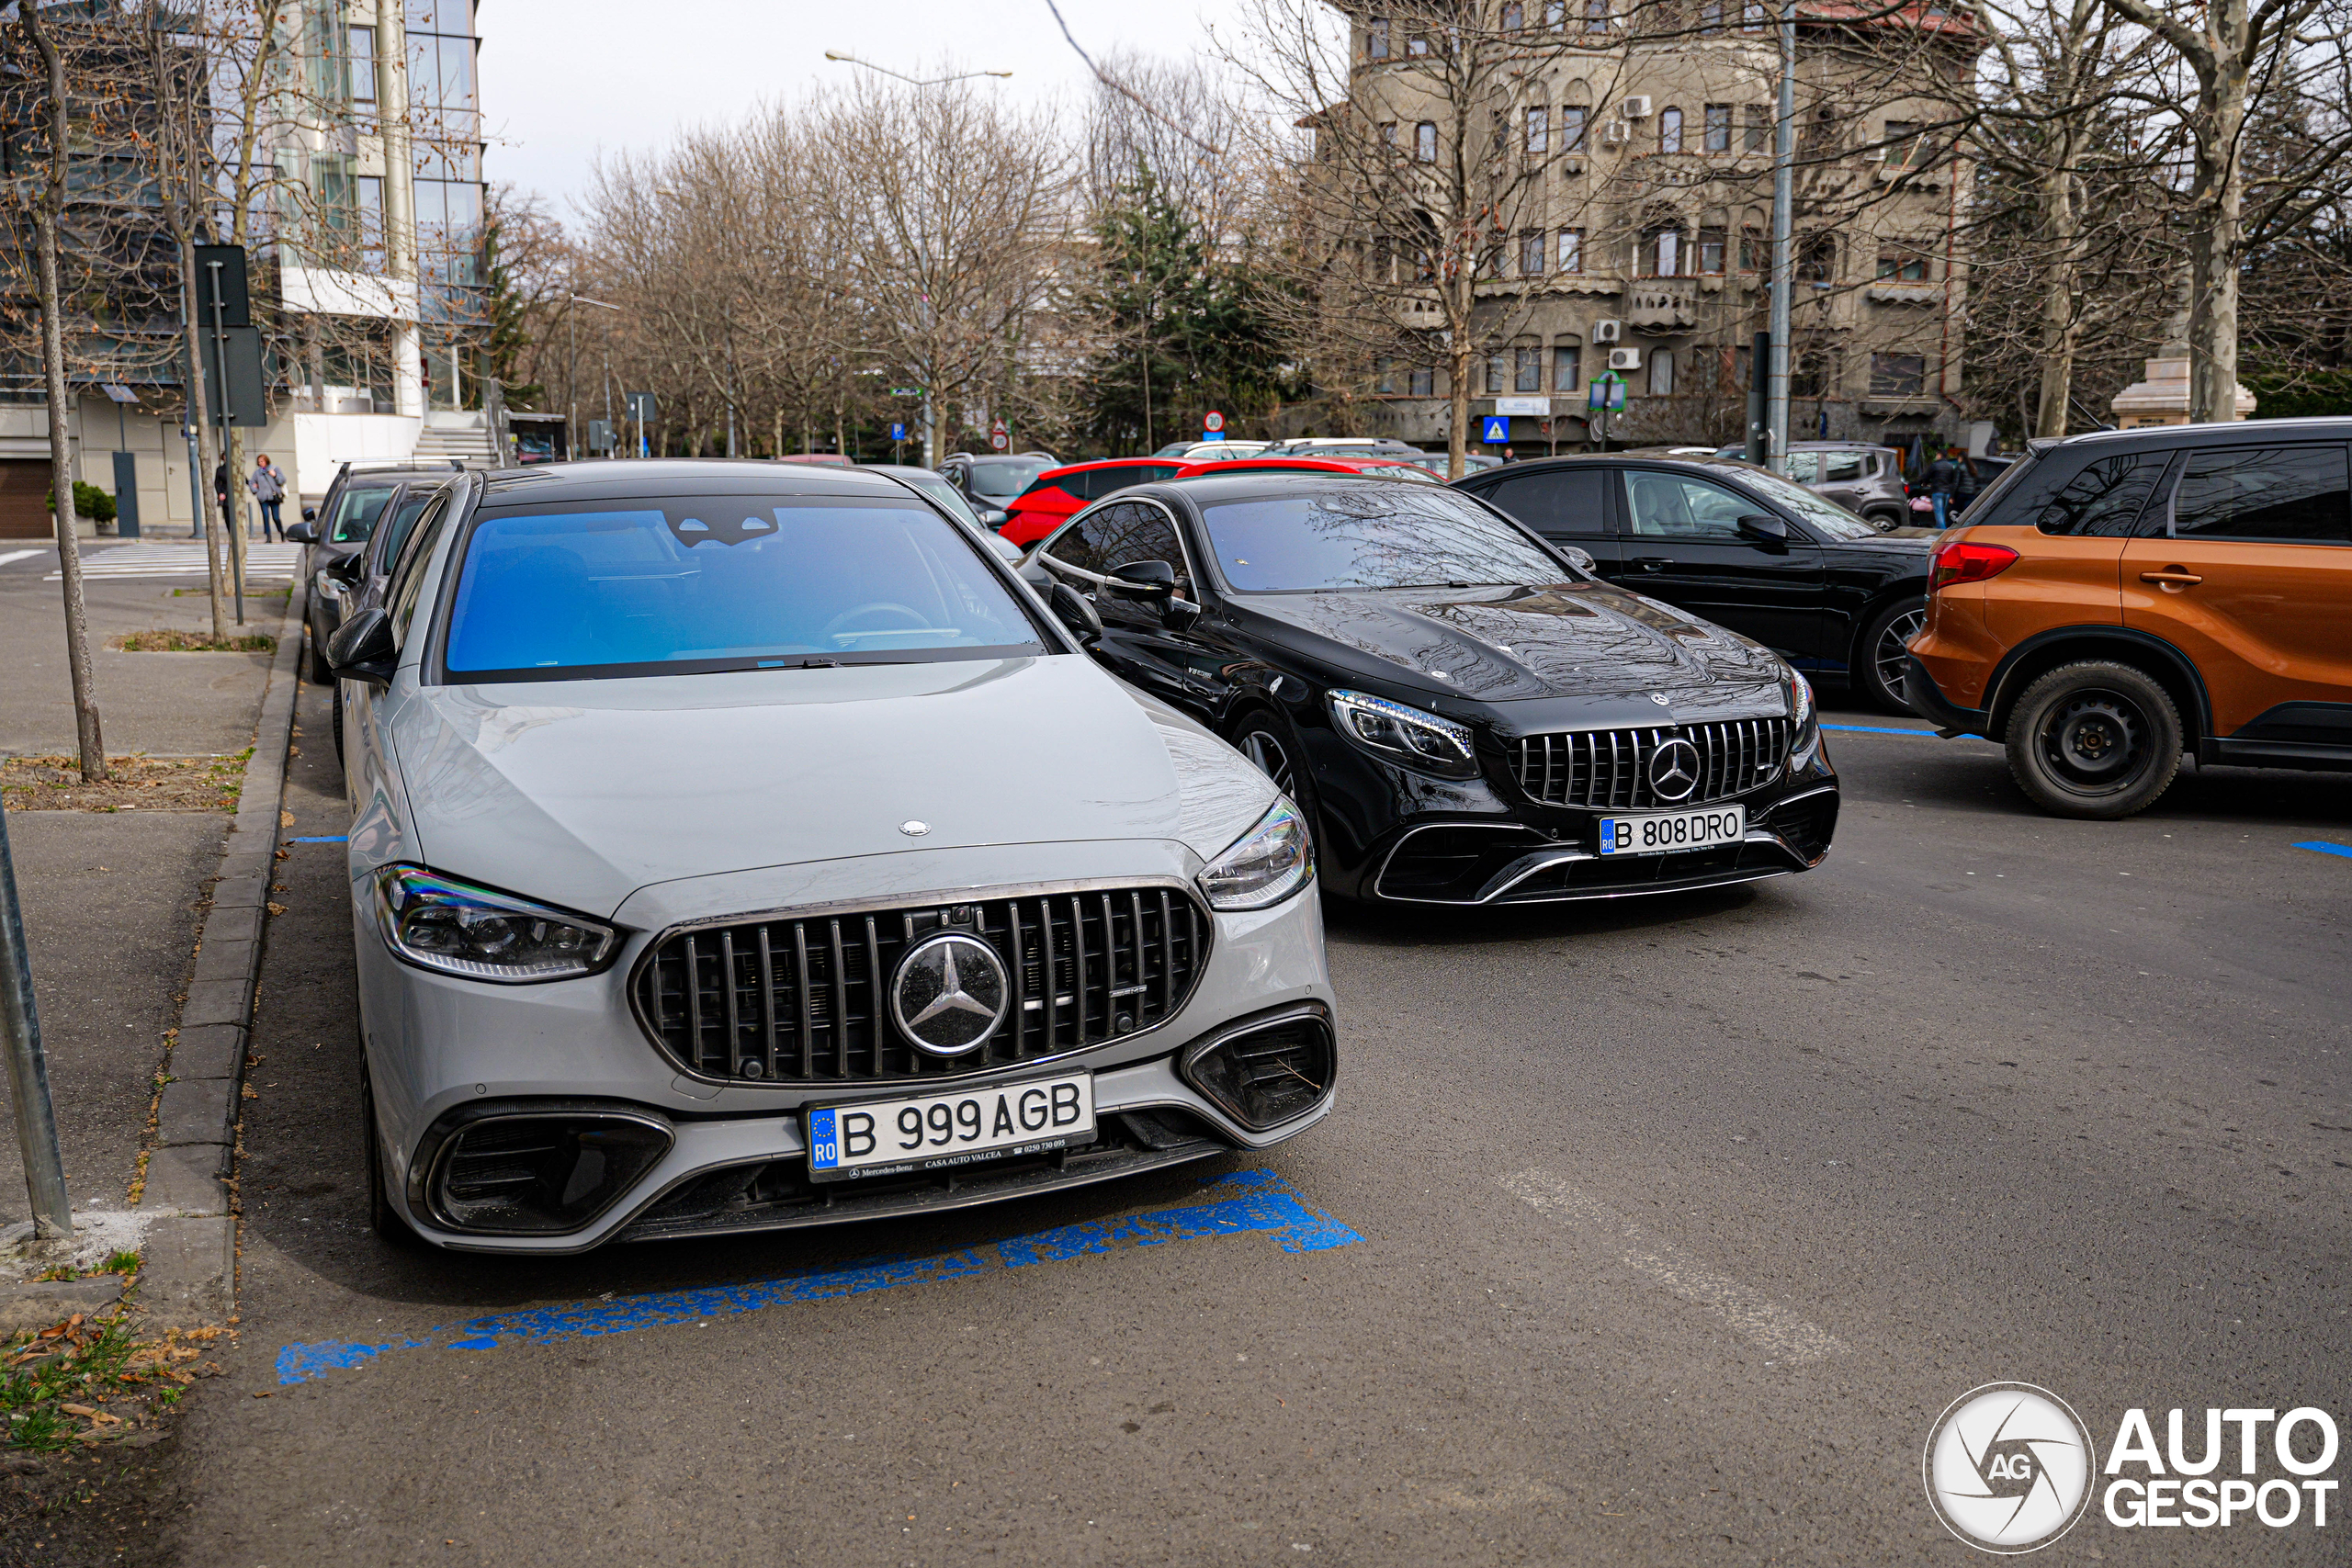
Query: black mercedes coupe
{"type": "Point", "coordinates": [1464, 717]}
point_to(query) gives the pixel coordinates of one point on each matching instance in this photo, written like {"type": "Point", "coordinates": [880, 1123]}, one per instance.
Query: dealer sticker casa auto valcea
{"type": "Point", "coordinates": [2010, 1468]}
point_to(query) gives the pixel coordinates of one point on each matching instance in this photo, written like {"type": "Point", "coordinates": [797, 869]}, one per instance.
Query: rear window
{"type": "Point", "coordinates": [724, 583]}
{"type": "Point", "coordinates": [2104, 500]}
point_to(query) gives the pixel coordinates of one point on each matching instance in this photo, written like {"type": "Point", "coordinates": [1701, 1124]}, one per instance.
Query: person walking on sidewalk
{"type": "Point", "coordinates": [268, 484]}
{"type": "Point", "coordinates": [220, 496]}
{"type": "Point", "coordinates": [1943, 478]}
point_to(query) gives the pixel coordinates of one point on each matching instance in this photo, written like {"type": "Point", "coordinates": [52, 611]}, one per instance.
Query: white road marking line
{"type": "Point", "coordinates": [1770, 1324]}
{"type": "Point", "coordinates": [21, 554]}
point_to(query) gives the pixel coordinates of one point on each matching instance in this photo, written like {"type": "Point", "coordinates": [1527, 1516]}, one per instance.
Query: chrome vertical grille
{"type": "Point", "coordinates": [803, 1000]}
{"type": "Point", "coordinates": [1607, 769]}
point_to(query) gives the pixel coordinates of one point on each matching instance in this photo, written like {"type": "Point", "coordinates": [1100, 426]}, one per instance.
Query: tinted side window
{"type": "Point", "coordinates": [1842, 467]}
{"type": "Point", "coordinates": [1666, 506]}
{"type": "Point", "coordinates": [1121, 535]}
{"type": "Point", "coordinates": [1570, 505]}
{"type": "Point", "coordinates": [2290, 494]}
{"type": "Point", "coordinates": [2105, 498]}
{"type": "Point", "coordinates": [408, 575]}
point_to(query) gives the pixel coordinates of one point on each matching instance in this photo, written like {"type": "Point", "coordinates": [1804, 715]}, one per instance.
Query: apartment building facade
{"type": "Point", "coordinates": [1629, 235]}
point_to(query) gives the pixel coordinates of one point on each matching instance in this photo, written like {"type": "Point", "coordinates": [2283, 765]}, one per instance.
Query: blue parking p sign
{"type": "Point", "coordinates": [898, 433]}
{"type": "Point", "coordinates": [1497, 432]}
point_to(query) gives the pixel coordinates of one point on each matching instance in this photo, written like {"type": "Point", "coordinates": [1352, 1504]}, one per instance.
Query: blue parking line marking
{"type": "Point", "coordinates": [1874, 729]}
{"type": "Point", "coordinates": [1243, 1203]}
{"type": "Point", "coordinates": [335, 839]}
{"type": "Point", "coordinates": [2320, 846]}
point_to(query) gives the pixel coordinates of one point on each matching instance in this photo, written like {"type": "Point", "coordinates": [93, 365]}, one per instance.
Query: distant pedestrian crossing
{"type": "Point", "coordinates": [273, 561]}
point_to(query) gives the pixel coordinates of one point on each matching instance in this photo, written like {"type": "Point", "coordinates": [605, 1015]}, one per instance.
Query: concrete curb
{"type": "Point", "coordinates": [189, 1271]}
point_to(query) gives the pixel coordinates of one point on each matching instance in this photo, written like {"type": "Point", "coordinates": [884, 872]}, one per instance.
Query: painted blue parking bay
{"type": "Point", "coordinates": [1249, 1202]}
{"type": "Point", "coordinates": [2320, 846]}
{"type": "Point", "coordinates": [1876, 729]}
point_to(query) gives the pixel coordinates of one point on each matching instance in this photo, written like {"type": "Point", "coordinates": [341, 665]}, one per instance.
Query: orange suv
{"type": "Point", "coordinates": [2120, 598]}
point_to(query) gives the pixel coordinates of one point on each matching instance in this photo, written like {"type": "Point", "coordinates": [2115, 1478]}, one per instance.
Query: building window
{"type": "Point", "coordinates": [1526, 370]}
{"type": "Point", "coordinates": [1514, 16]}
{"type": "Point", "coordinates": [1416, 45]}
{"type": "Point", "coordinates": [1424, 382]}
{"type": "Point", "coordinates": [1596, 16]}
{"type": "Point", "coordinates": [1753, 250]}
{"type": "Point", "coordinates": [1661, 373]}
{"type": "Point", "coordinates": [1375, 45]}
{"type": "Point", "coordinates": [1711, 17]}
{"type": "Point", "coordinates": [1494, 374]}
{"type": "Point", "coordinates": [1572, 129]}
{"type": "Point", "coordinates": [1530, 253]}
{"type": "Point", "coordinates": [368, 191]}
{"type": "Point", "coordinates": [1425, 142]}
{"type": "Point", "coordinates": [1751, 17]}
{"type": "Point", "coordinates": [1571, 250]}
{"type": "Point", "coordinates": [1718, 128]}
{"type": "Point", "coordinates": [1813, 374]}
{"type": "Point", "coordinates": [363, 65]}
{"type": "Point", "coordinates": [1567, 362]}
{"type": "Point", "coordinates": [1711, 252]}
{"type": "Point", "coordinates": [1662, 253]}
{"type": "Point", "coordinates": [1902, 143]}
{"type": "Point", "coordinates": [1387, 382]}
{"type": "Point", "coordinates": [1898, 375]}
{"type": "Point", "coordinates": [1902, 263]}
{"type": "Point", "coordinates": [1555, 15]}
{"type": "Point", "coordinates": [1669, 131]}
{"type": "Point", "coordinates": [1388, 134]}
{"type": "Point", "coordinates": [1817, 260]}
{"type": "Point", "coordinates": [1759, 127]}
{"type": "Point", "coordinates": [1539, 130]}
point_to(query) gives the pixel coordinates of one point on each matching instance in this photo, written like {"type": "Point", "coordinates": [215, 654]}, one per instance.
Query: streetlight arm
{"type": "Point", "coordinates": [934, 81]}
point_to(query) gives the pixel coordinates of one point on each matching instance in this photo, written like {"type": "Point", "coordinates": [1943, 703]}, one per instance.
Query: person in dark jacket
{"type": "Point", "coordinates": [221, 497]}
{"type": "Point", "coordinates": [1943, 478]}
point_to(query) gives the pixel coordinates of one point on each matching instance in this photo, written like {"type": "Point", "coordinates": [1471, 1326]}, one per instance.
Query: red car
{"type": "Point", "coordinates": [1370, 468]}
{"type": "Point", "coordinates": [1055, 494]}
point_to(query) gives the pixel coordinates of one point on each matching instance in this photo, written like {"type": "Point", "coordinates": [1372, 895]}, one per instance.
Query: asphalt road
{"type": "Point", "coordinates": [1657, 1232]}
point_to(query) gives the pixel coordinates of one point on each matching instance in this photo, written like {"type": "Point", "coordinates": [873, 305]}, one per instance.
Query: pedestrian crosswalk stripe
{"type": "Point", "coordinates": [185, 561]}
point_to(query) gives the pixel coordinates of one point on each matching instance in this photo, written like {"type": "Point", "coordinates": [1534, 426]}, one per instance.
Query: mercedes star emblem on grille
{"type": "Point", "coordinates": [1661, 699]}
{"type": "Point", "coordinates": [949, 994]}
{"type": "Point", "coordinates": [914, 830]}
{"type": "Point", "coordinates": [1674, 769]}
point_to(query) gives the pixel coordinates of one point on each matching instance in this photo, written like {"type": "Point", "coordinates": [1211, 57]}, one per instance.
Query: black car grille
{"type": "Point", "coordinates": [1609, 770]}
{"type": "Point", "coordinates": [803, 1000]}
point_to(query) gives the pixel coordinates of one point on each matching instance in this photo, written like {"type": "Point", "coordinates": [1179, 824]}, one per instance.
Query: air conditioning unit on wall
{"type": "Point", "coordinates": [1625, 359]}
{"type": "Point", "coordinates": [1638, 108]}
{"type": "Point", "coordinates": [1606, 332]}
{"type": "Point", "coordinates": [1613, 134]}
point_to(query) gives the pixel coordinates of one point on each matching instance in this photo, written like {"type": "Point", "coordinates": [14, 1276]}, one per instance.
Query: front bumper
{"type": "Point", "coordinates": [441, 1049]}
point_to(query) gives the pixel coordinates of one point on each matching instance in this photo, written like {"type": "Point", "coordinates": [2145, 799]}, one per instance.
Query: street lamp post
{"type": "Point", "coordinates": [571, 370]}
{"type": "Point", "coordinates": [1785, 151]}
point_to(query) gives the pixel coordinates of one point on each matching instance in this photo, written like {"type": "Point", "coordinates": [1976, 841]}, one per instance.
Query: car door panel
{"type": "Point", "coordinates": [1681, 544]}
{"type": "Point", "coordinates": [2252, 577]}
{"type": "Point", "coordinates": [1568, 506]}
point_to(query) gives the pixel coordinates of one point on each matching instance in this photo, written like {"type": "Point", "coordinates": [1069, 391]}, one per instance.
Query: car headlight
{"type": "Point", "coordinates": [1800, 714]}
{"type": "Point", "coordinates": [1404, 734]}
{"type": "Point", "coordinates": [438, 922]}
{"type": "Point", "coordinates": [1265, 865]}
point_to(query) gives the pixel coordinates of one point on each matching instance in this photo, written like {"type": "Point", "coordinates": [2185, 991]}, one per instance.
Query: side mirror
{"type": "Point", "coordinates": [1177, 615]}
{"type": "Point", "coordinates": [310, 515]}
{"type": "Point", "coordinates": [1578, 557]}
{"type": "Point", "coordinates": [1768, 532]}
{"type": "Point", "coordinates": [1145, 580]}
{"type": "Point", "coordinates": [995, 516]}
{"type": "Point", "coordinates": [302, 533]}
{"type": "Point", "coordinates": [1071, 609]}
{"type": "Point", "coordinates": [361, 648]}
{"type": "Point", "coordinates": [347, 568]}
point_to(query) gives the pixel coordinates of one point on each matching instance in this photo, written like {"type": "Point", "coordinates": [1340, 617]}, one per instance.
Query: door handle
{"type": "Point", "coordinates": [1651, 563]}
{"type": "Point", "coordinates": [2173, 577]}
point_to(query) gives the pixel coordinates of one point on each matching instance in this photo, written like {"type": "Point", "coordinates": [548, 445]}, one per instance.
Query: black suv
{"type": "Point", "coordinates": [337, 530]}
{"type": "Point", "coordinates": [1738, 545]}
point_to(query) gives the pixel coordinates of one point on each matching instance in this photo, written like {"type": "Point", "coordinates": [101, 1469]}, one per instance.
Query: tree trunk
{"type": "Point", "coordinates": [2058, 304]}
{"type": "Point", "coordinates": [49, 213]}
{"type": "Point", "coordinates": [2214, 244]}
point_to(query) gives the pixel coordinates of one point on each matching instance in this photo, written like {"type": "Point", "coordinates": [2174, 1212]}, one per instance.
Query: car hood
{"type": "Point", "coordinates": [582, 792]}
{"type": "Point", "coordinates": [1507, 644]}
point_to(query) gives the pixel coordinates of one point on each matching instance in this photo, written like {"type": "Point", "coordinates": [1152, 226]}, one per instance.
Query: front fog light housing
{"type": "Point", "coordinates": [1264, 1075]}
{"type": "Point", "coordinates": [543, 1170]}
{"type": "Point", "coordinates": [1406, 735]}
{"type": "Point", "coordinates": [438, 922]}
{"type": "Point", "coordinates": [1264, 866]}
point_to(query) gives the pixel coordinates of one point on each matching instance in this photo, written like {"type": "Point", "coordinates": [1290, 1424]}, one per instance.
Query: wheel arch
{"type": "Point", "coordinates": [1874, 606]}
{"type": "Point", "coordinates": [2153, 656]}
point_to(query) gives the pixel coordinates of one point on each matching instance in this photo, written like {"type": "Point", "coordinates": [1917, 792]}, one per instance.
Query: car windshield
{"type": "Point", "coordinates": [724, 583]}
{"type": "Point", "coordinates": [355, 512]}
{"type": "Point", "coordinates": [1006, 477]}
{"type": "Point", "coordinates": [1819, 511]}
{"type": "Point", "coordinates": [948, 496]}
{"type": "Point", "coordinates": [1370, 535]}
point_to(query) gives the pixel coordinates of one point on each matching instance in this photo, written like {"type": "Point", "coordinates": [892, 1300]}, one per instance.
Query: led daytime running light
{"type": "Point", "coordinates": [1407, 735]}
{"type": "Point", "coordinates": [438, 922]}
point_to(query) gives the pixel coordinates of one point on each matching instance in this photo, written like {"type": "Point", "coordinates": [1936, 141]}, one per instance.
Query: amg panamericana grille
{"type": "Point", "coordinates": [1609, 770]}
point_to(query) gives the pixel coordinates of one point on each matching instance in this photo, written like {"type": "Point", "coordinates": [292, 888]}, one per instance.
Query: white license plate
{"type": "Point", "coordinates": [1667, 832]}
{"type": "Point", "coordinates": [929, 1131]}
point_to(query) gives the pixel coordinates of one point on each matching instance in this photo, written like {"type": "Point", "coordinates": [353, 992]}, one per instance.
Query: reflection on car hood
{"type": "Point", "coordinates": [582, 792]}
{"type": "Point", "coordinates": [1581, 639]}
{"type": "Point", "coordinates": [1910, 537]}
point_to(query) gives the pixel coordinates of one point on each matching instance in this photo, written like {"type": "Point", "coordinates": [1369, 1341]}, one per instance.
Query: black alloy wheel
{"type": "Point", "coordinates": [1885, 655]}
{"type": "Point", "coordinates": [1270, 743]}
{"type": "Point", "coordinates": [2095, 739]}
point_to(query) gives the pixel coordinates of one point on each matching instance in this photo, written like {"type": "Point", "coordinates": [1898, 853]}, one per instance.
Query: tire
{"type": "Point", "coordinates": [2097, 740]}
{"type": "Point", "coordinates": [1258, 734]}
{"type": "Point", "coordinates": [321, 672]}
{"type": "Point", "coordinates": [382, 1218]}
{"type": "Point", "coordinates": [335, 704]}
{"type": "Point", "coordinates": [1881, 655]}
{"type": "Point", "coordinates": [1885, 521]}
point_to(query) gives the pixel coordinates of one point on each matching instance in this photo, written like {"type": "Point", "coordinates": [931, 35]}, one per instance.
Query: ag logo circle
{"type": "Point", "coordinates": [2009, 1468]}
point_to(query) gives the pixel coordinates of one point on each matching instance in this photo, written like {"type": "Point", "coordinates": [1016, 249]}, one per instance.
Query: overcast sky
{"type": "Point", "coordinates": [561, 79]}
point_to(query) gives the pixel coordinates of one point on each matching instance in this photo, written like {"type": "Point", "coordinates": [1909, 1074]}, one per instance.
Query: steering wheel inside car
{"type": "Point", "coordinates": [916, 619]}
